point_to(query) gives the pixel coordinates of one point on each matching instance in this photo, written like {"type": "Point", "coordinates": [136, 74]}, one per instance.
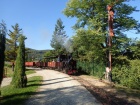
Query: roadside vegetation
{"type": "Point", "coordinates": [122, 75]}
{"type": "Point", "coordinates": [17, 96]}
{"type": "Point", "coordinates": [91, 42]}
{"type": "Point", "coordinates": [9, 73]}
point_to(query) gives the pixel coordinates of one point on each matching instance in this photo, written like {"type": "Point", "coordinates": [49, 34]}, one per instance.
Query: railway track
{"type": "Point", "coordinates": [106, 98]}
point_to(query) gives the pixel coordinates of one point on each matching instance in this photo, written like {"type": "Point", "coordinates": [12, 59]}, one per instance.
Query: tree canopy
{"type": "Point", "coordinates": [91, 38]}
{"type": "Point", "coordinates": [12, 42]}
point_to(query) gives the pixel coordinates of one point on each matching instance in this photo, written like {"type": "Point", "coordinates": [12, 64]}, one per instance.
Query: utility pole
{"type": "Point", "coordinates": [110, 35]}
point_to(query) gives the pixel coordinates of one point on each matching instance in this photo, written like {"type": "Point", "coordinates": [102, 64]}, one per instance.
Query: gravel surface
{"type": "Point", "coordinates": [7, 81]}
{"type": "Point", "coordinates": [60, 89]}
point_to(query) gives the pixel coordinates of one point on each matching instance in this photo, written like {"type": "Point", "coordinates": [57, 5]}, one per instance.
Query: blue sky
{"type": "Point", "coordinates": [37, 18]}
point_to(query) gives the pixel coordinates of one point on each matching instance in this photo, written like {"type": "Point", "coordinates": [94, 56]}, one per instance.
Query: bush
{"type": "Point", "coordinates": [128, 76]}
{"type": "Point", "coordinates": [91, 68]}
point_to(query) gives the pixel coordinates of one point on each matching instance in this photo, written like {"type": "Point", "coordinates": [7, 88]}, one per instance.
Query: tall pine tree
{"type": "Point", "coordinates": [59, 37]}
{"type": "Point", "coordinates": [12, 42]}
{"type": "Point", "coordinates": [19, 79]}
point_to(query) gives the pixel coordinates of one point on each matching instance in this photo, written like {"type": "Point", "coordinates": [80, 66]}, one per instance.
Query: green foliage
{"type": "Point", "coordinates": [49, 53]}
{"type": "Point", "coordinates": [91, 26]}
{"type": "Point", "coordinates": [19, 72]}
{"type": "Point", "coordinates": [91, 42]}
{"type": "Point", "coordinates": [120, 61]}
{"type": "Point", "coordinates": [11, 53]}
{"type": "Point", "coordinates": [14, 96]}
{"type": "Point", "coordinates": [128, 75]}
{"type": "Point", "coordinates": [93, 14]}
{"type": "Point", "coordinates": [34, 55]}
{"type": "Point", "coordinates": [135, 48]}
{"type": "Point", "coordinates": [91, 68]}
{"type": "Point", "coordinates": [59, 37]}
{"type": "Point", "coordinates": [88, 46]}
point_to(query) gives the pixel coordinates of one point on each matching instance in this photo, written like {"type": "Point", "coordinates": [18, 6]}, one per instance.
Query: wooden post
{"type": "Point", "coordinates": [110, 35]}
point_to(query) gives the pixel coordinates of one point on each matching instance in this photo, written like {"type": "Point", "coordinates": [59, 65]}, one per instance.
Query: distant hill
{"type": "Point", "coordinates": [35, 55]}
{"type": "Point", "coordinates": [32, 54]}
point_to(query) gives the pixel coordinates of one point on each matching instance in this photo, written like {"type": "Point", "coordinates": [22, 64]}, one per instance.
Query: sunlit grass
{"type": "Point", "coordinates": [17, 96]}
{"type": "Point", "coordinates": [30, 71]}
{"type": "Point", "coordinates": [9, 73]}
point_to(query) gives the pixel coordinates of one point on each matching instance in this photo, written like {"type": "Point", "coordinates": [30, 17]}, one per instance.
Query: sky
{"type": "Point", "coordinates": [37, 18]}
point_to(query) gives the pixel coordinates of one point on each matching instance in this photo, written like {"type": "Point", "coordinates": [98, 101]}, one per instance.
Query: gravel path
{"type": "Point", "coordinates": [60, 89]}
{"type": "Point", "coordinates": [7, 81]}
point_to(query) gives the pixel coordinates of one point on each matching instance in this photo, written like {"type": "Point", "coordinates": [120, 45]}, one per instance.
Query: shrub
{"type": "Point", "coordinates": [128, 76]}
{"type": "Point", "coordinates": [91, 68]}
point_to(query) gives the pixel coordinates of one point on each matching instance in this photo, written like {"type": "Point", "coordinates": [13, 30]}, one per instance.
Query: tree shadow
{"type": "Point", "coordinates": [72, 95]}
{"type": "Point", "coordinates": [16, 99]}
{"type": "Point", "coordinates": [55, 79]}
{"type": "Point", "coordinates": [57, 82]}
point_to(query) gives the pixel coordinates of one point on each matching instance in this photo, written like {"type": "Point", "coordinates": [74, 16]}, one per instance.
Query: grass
{"type": "Point", "coordinates": [17, 96]}
{"type": "Point", "coordinates": [30, 71]}
{"type": "Point", "coordinates": [8, 71]}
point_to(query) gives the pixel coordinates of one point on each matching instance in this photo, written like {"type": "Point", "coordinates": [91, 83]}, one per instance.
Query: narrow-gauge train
{"type": "Point", "coordinates": [36, 64]}
{"type": "Point", "coordinates": [64, 63]}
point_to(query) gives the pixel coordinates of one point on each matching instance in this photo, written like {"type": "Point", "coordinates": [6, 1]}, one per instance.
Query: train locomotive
{"type": "Point", "coordinates": [63, 63]}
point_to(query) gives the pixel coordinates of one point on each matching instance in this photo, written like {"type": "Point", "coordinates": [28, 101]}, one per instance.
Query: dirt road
{"type": "Point", "coordinates": [60, 89]}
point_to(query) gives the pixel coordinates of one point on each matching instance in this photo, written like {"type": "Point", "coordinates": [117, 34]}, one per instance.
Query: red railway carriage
{"type": "Point", "coordinates": [44, 64]}
{"type": "Point", "coordinates": [29, 64]}
{"type": "Point", "coordinates": [52, 65]}
{"type": "Point", "coordinates": [64, 63]}
{"type": "Point", "coordinates": [55, 65]}
{"type": "Point", "coordinates": [38, 64]}
{"type": "Point", "coordinates": [41, 64]}
{"type": "Point", "coordinates": [49, 64]}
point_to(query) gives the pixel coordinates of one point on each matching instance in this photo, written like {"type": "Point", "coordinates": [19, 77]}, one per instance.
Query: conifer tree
{"type": "Point", "coordinates": [12, 43]}
{"type": "Point", "coordinates": [59, 37]}
{"type": "Point", "coordinates": [2, 49]}
{"type": "Point", "coordinates": [19, 79]}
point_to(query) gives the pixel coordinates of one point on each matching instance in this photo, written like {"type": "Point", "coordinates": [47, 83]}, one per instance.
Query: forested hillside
{"type": "Point", "coordinates": [31, 54]}
{"type": "Point", "coordinates": [35, 55]}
